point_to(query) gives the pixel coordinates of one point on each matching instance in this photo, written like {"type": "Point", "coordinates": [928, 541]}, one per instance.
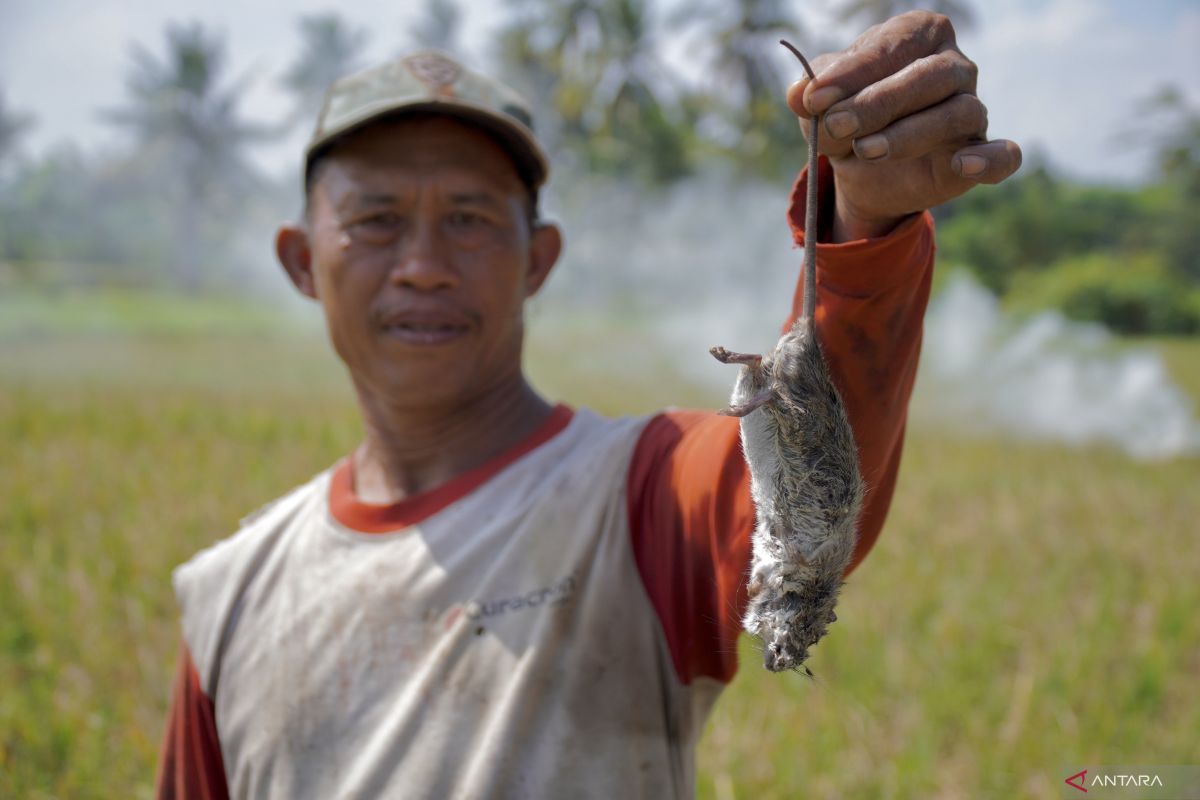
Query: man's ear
{"type": "Point", "coordinates": [545, 245]}
{"type": "Point", "coordinates": [294, 252]}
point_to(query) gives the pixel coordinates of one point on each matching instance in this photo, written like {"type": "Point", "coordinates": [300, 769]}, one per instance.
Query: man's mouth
{"type": "Point", "coordinates": [426, 330]}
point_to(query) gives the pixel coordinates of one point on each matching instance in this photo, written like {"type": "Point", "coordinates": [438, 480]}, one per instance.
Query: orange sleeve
{"type": "Point", "coordinates": [191, 766]}
{"type": "Point", "coordinates": [690, 510]}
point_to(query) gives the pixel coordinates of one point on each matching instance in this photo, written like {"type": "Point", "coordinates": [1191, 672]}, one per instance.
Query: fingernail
{"type": "Point", "coordinates": [970, 166]}
{"type": "Point", "coordinates": [871, 147]}
{"type": "Point", "coordinates": [841, 124]}
{"type": "Point", "coordinates": [822, 99]}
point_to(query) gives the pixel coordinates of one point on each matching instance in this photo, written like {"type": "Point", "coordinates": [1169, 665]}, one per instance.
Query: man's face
{"type": "Point", "coordinates": [420, 250]}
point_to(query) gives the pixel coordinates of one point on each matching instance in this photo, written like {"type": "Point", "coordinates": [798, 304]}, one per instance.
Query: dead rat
{"type": "Point", "coordinates": [804, 473]}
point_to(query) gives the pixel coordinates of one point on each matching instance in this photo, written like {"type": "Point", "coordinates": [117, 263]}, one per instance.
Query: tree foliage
{"type": "Point", "coordinates": [761, 133]}
{"type": "Point", "coordinates": [13, 126]}
{"type": "Point", "coordinates": [1176, 219]}
{"type": "Point", "coordinates": [605, 101]}
{"type": "Point", "coordinates": [1129, 258]}
{"type": "Point", "coordinates": [1130, 293]}
{"type": "Point", "coordinates": [190, 136]}
{"type": "Point", "coordinates": [329, 49]}
{"type": "Point", "coordinates": [614, 104]}
{"type": "Point", "coordinates": [67, 208]}
{"type": "Point", "coordinates": [438, 26]}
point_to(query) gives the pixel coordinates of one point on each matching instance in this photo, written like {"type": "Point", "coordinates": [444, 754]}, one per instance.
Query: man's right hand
{"type": "Point", "coordinates": [903, 128]}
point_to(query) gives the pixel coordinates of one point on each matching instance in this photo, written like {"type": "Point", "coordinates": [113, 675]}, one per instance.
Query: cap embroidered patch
{"type": "Point", "coordinates": [435, 71]}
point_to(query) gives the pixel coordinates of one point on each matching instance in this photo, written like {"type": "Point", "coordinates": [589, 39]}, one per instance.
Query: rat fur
{"type": "Point", "coordinates": [804, 473]}
{"type": "Point", "coordinates": [807, 493]}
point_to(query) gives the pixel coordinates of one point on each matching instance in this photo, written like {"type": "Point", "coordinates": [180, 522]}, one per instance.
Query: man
{"type": "Point", "coordinates": [493, 596]}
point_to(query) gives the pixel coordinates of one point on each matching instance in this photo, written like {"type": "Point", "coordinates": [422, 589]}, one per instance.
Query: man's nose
{"type": "Point", "coordinates": [423, 261]}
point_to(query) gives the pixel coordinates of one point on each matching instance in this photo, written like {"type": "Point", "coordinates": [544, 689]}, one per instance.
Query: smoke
{"type": "Point", "coordinates": [710, 261]}
{"type": "Point", "coordinates": [1046, 378]}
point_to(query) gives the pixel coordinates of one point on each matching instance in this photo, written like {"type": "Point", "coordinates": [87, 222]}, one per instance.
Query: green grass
{"type": "Point", "coordinates": [27, 313]}
{"type": "Point", "coordinates": [1028, 608]}
{"type": "Point", "coordinates": [1179, 353]}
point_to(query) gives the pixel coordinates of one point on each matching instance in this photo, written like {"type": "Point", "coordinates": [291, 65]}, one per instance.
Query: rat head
{"type": "Point", "coordinates": [421, 242]}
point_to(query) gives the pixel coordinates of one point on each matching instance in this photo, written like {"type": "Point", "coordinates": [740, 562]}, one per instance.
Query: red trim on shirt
{"type": "Point", "coordinates": [689, 505]}
{"type": "Point", "coordinates": [690, 517]}
{"type": "Point", "coordinates": [386, 518]}
{"type": "Point", "coordinates": [191, 766]}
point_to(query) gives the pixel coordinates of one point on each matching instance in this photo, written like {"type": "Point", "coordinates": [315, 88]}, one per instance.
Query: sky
{"type": "Point", "coordinates": [1061, 77]}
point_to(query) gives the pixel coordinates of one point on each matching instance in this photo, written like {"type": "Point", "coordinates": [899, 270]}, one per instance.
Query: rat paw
{"type": "Point", "coordinates": [730, 357]}
{"type": "Point", "coordinates": [755, 401]}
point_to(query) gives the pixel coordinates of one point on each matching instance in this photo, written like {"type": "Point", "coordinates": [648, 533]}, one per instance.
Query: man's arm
{"type": "Point", "coordinates": [871, 299]}
{"type": "Point", "coordinates": [191, 766]}
{"type": "Point", "coordinates": [911, 134]}
{"type": "Point", "coordinates": [690, 509]}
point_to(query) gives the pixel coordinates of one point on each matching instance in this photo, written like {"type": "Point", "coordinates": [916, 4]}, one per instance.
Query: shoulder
{"type": "Point", "coordinates": [685, 439]}
{"type": "Point", "coordinates": [598, 444]}
{"type": "Point", "coordinates": [252, 530]}
{"type": "Point", "coordinates": [589, 426]}
{"type": "Point", "coordinates": [210, 584]}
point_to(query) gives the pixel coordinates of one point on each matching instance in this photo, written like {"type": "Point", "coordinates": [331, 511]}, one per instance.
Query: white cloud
{"type": "Point", "coordinates": [1056, 24]}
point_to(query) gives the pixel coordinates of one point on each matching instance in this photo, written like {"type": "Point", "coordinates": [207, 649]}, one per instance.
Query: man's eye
{"type": "Point", "coordinates": [466, 219]}
{"type": "Point", "coordinates": [379, 221]}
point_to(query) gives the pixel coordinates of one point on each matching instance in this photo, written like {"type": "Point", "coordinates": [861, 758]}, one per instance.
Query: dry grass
{"type": "Point", "coordinates": [1029, 607]}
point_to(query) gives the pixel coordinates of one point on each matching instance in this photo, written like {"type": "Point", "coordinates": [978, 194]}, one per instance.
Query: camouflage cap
{"type": "Point", "coordinates": [431, 81]}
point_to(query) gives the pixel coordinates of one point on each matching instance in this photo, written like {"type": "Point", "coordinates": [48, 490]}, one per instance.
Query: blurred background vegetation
{"type": "Point", "coordinates": [1030, 606]}
{"type": "Point", "coordinates": [172, 209]}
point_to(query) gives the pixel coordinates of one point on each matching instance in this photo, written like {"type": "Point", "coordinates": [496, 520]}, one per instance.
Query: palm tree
{"type": "Point", "coordinates": [12, 127]}
{"type": "Point", "coordinates": [1177, 137]}
{"type": "Point", "coordinates": [437, 27]}
{"type": "Point", "coordinates": [330, 49]}
{"type": "Point", "coordinates": [189, 130]}
{"type": "Point", "coordinates": [574, 33]}
{"type": "Point", "coordinates": [1174, 126]}
{"type": "Point", "coordinates": [534, 71]}
{"type": "Point", "coordinates": [642, 127]}
{"type": "Point", "coordinates": [764, 133]}
{"type": "Point", "coordinates": [598, 62]}
{"type": "Point", "coordinates": [876, 11]}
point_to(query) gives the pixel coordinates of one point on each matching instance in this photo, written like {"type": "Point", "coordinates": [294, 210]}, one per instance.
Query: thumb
{"type": "Point", "coordinates": [988, 162]}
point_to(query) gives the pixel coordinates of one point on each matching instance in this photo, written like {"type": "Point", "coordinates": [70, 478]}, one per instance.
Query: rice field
{"type": "Point", "coordinates": [1029, 608]}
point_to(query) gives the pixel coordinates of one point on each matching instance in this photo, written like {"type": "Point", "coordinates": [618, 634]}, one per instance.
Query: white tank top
{"type": "Point", "coordinates": [502, 647]}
